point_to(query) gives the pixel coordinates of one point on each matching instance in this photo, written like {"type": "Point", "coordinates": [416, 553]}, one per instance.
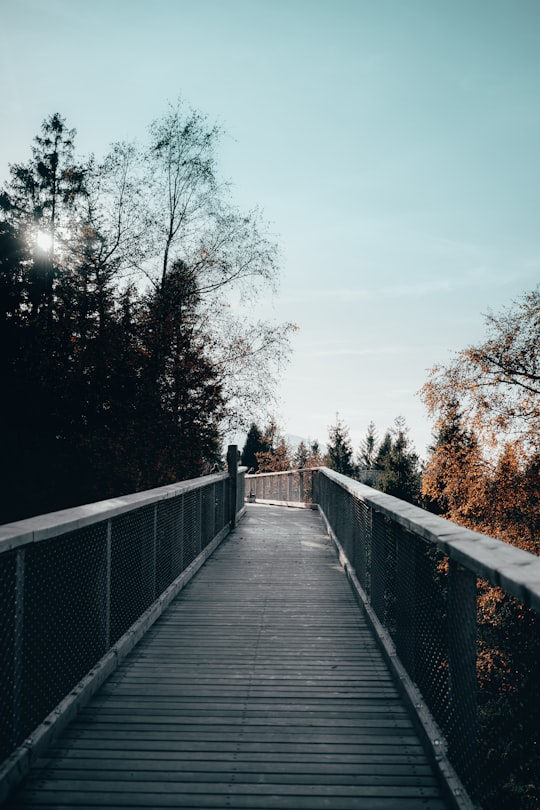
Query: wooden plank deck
{"type": "Point", "coordinates": [260, 687]}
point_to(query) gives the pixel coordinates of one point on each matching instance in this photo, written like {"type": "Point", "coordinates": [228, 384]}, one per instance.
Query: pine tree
{"type": "Point", "coordinates": [339, 451]}
{"type": "Point", "coordinates": [368, 449]}
{"type": "Point", "coordinates": [383, 452]}
{"type": "Point", "coordinates": [301, 456]}
{"type": "Point", "coordinates": [254, 444]}
{"type": "Point", "coordinates": [400, 466]}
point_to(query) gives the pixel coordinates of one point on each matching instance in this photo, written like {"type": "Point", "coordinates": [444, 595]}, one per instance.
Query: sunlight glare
{"type": "Point", "coordinates": [44, 240]}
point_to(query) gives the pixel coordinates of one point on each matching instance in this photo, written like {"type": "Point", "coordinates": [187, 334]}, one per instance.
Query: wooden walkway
{"type": "Point", "coordinates": [260, 687]}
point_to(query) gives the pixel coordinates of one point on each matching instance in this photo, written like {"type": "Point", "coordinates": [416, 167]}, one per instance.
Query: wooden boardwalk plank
{"type": "Point", "coordinates": [261, 687]}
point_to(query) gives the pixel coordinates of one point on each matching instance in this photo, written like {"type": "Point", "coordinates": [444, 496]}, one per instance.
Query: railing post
{"type": "Point", "coordinates": [232, 468]}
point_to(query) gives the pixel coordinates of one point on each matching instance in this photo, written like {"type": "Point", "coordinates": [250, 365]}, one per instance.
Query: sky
{"type": "Point", "coordinates": [392, 145]}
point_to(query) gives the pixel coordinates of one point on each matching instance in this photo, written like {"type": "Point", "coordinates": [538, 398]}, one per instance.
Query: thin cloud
{"type": "Point", "coordinates": [363, 294]}
{"type": "Point", "coordinates": [352, 352]}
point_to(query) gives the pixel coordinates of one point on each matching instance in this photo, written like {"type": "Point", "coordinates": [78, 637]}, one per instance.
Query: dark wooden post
{"type": "Point", "coordinates": [232, 468]}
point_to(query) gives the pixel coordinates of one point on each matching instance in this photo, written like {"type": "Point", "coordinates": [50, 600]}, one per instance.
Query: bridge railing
{"type": "Point", "coordinates": [290, 488]}
{"type": "Point", "coordinates": [457, 615]}
{"type": "Point", "coordinates": [79, 587]}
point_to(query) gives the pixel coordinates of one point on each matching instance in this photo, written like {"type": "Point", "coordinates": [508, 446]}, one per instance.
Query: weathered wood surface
{"type": "Point", "coordinates": [260, 687]}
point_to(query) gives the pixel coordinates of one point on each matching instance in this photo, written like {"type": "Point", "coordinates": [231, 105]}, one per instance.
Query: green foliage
{"type": "Point", "coordinates": [367, 452]}
{"type": "Point", "coordinates": [400, 465]}
{"type": "Point", "coordinates": [254, 444]}
{"type": "Point", "coordinates": [301, 456]}
{"type": "Point", "coordinates": [339, 450]}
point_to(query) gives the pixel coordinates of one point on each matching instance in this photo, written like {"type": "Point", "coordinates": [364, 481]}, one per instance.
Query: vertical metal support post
{"type": "Point", "coordinates": [289, 487]}
{"type": "Point", "coordinates": [107, 620]}
{"type": "Point", "coordinates": [232, 468]}
{"type": "Point", "coordinates": [18, 647]}
{"type": "Point", "coordinates": [301, 486]}
{"type": "Point", "coordinates": [462, 737]}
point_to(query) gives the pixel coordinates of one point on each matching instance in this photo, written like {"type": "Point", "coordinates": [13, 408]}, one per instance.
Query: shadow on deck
{"type": "Point", "coordinates": [261, 686]}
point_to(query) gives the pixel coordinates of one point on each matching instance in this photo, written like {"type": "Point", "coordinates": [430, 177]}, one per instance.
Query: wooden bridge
{"type": "Point", "coordinates": [261, 686]}
{"type": "Point", "coordinates": [267, 679]}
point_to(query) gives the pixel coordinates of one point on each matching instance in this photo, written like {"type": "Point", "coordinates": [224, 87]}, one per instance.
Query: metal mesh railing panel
{"type": "Point", "coordinates": [207, 515]}
{"type": "Point", "coordinates": [472, 650]}
{"type": "Point", "coordinates": [362, 543]}
{"type": "Point", "coordinates": [65, 600]}
{"type": "Point", "coordinates": [240, 491]}
{"type": "Point", "coordinates": [221, 504]}
{"type": "Point", "coordinates": [133, 571]}
{"type": "Point", "coordinates": [64, 619]}
{"type": "Point", "coordinates": [192, 526]}
{"type": "Point", "coordinates": [10, 675]}
{"type": "Point", "coordinates": [169, 542]}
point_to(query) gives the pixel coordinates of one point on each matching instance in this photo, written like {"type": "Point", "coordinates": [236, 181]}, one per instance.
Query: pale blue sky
{"type": "Point", "coordinates": [393, 145]}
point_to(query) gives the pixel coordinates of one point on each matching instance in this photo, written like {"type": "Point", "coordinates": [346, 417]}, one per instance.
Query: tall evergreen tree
{"type": "Point", "coordinates": [339, 450]}
{"type": "Point", "coordinates": [400, 466]}
{"type": "Point", "coordinates": [367, 452]}
{"type": "Point", "coordinates": [301, 456]}
{"type": "Point", "coordinates": [254, 444]}
{"type": "Point", "coordinates": [383, 451]}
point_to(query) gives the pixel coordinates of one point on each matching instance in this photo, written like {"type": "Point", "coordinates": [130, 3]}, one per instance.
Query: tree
{"type": "Point", "coordinates": [301, 456]}
{"type": "Point", "coordinates": [315, 457]}
{"type": "Point", "coordinates": [368, 449]}
{"type": "Point", "coordinates": [254, 444]}
{"type": "Point", "coordinates": [497, 383]}
{"type": "Point", "coordinates": [41, 201]}
{"type": "Point", "coordinates": [339, 451]}
{"type": "Point", "coordinates": [307, 455]}
{"type": "Point", "coordinates": [483, 473]}
{"type": "Point", "coordinates": [276, 457]}
{"type": "Point", "coordinates": [454, 481]}
{"type": "Point", "coordinates": [400, 466]}
{"type": "Point", "coordinates": [190, 218]}
{"type": "Point", "coordinates": [498, 497]}
{"type": "Point", "coordinates": [122, 358]}
{"type": "Point", "coordinates": [486, 404]}
{"type": "Point", "coordinates": [383, 451]}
